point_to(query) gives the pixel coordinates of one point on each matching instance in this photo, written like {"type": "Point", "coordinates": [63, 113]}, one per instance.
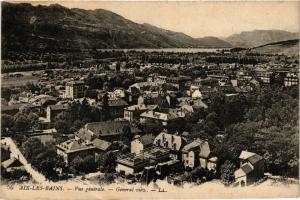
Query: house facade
{"type": "Point", "coordinates": [139, 143]}
{"type": "Point", "coordinates": [195, 154]}
{"type": "Point", "coordinates": [132, 163]}
{"type": "Point", "coordinates": [73, 148]}
{"type": "Point", "coordinates": [251, 168]}
{"type": "Point", "coordinates": [107, 130]}
{"type": "Point", "coordinates": [75, 89]}
{"type": "Point", "coordinates": [164, 118]}
{"type": "Point", "coordinates": [173, 142]}
{"type": "Point", "coordinates": [54, 110]}
{"type": "Point", "coordinates": [133, 112]}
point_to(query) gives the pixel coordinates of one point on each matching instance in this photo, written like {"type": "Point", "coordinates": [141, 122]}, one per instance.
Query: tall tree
{"type": "Point", "coordinates": [105, 107]}
{"type": "Point", "coordinates": [227, 172]}
{"type": "Point", "coordinates": [127, 134]}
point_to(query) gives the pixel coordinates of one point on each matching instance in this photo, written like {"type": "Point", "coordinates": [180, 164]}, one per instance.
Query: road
{"type": "Point", "coordinates": [15, 152]}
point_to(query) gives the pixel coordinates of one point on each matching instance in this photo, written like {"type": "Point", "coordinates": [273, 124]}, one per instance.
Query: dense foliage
{"type": "Point", "coordinates": [267, 123]}
{"type": "Point", "coordinates": [76, 116]}
{"type": "Point", "coordinates": [227, 172]}
{"type": "Point", "coordinates": [43, 157]}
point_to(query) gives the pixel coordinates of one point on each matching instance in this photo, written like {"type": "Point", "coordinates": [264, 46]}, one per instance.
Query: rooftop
{"type": "Point", "coordinates": [247, 168]}
{"type": "Point", "coordinates": [255, 158]}
{"type": "Point", "coordinates": [73, 145]}
{"type": "Point", "coordinates": [159, 115]}
{"type": "Point", "coordinates": [59, 107]}
{"type": "Point", "coordinates": [144, 157]}
{"type": "Point", "coordinates": [245, 155]}
{"type": "Point", "coordinates": [72, 83]}
{"type": "Point", "coordinates": [101, 144]}
{"type": "Point", "coordinates": [108, 128]}
{"type": "Point", "coordinates": [146, 139]}
{"type": "Point", "coordinates": [117, 102]}
{"type": "Point", "coordinates": [203, 145]}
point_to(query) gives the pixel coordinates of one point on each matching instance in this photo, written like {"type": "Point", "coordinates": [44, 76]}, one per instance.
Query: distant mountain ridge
{"type": "Point", "coordinates": [286, 47]}
{"type": "Point", "coordinates": [214, 41]}
{"type": "Point", "coordinates": [56, 27]}
{"type": "Point", "coordinates": [255, 38]}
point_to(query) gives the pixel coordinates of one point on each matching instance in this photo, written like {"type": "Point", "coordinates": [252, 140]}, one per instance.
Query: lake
{"type": "Point", "coordinates": [176, 50]}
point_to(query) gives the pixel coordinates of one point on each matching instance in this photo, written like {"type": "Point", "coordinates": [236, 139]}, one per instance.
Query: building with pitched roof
{"type": "Point", "coordinates": [72, 148]}
{"type": "Point", "coordinates": [11, 164]}
{"type": "Point", "coordinates": [251, 168]}
{"type": "Point", "coordinates": [174, 142]}
{"type": "Point", "coordinates": [139, 143]}
{"type": "Point", "coordinates": [134, 163]}
{"type": "Point", "coordinates": [107, 130]}
{"type": "Point", "coordinates": [54, 110]}
{"type": "Point", "coordinates": [133, 112]}
{"type": "Point", "coordinates": [164, 118]}
{"type": "Point", "coordinates": [196, 153]}
{"type": "Point", "coordinates": [116, 107]}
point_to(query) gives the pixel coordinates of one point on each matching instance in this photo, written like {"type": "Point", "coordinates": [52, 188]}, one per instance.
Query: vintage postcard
{"type": "Point", "coordinates": [149, 99]}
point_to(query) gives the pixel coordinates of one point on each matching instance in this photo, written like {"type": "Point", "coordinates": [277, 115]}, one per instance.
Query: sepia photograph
{"type": "Point", "coordinates": [149, 99]}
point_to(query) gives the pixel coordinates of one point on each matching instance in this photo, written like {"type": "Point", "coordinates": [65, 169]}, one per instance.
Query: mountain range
{"type": "Point", "coordinates": [260, 37]}
{"type": "Point", "coordinates": [56, 27]}
{"type": "Point", "coordinates": [287, 47]}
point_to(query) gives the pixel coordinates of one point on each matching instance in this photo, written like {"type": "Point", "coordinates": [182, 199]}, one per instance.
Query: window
{"type": "Point", "coordinates": [174, 146]}
{"type": "Point", "coordinates": [163, 137]}
{"type": "Point", "coordinates": [166, 144]}
{"type": "Point", "coordinates": [158, 142]}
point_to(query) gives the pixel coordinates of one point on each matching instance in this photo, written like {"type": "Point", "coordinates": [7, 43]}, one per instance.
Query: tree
{"type": "Point", "coordinates": [76, 164]}
{"type": "Point", "coordinates": [241, 136]}
{"type": "Point", "coordinates": [77, 124]}
{"type": "Point", "coordinates": [7, 122]}
{"type": "Point", "coordinates": [227, 172]}
{"type": "Point", "coordinates": [32, 87]}
{"type": "Point", "coordinates": [89, 163]}
{"type": "Point", "coordinates": [211, 128]}
{"type": "Point", "coordinates": [177, 125]}
{"type": "Point", "coordinates": [33, 119]}
{"type": "Point", "coordinates": [212, 117]}
{"type": "Point", "coordinates": [217, 106]}
{"type": "Point", "coordinates": [84, 110]}
{"type": "Point", "coordinates": [6, 93]}
{"type": "Point", "coordinates": [85, 165]}
{"type": "Point", "coordinates": [43, 157]}
{"type": "Point", "coordinates": [105, 107]}
{"type": "Point", "coordinates": [195, 116]}
{"type": "Point", "coordinates": [152, 126]}
{"type": "Point", "coordinates": [62, 126]}
{"type": "Point", "coordinates": [127, 82]}
{"type": "Point", "coordinates": [21, 123]}
{"type": "Point", "coordinates": [127, 134]}
{"type": "Point", "coordinates": [47, 162]}
{"type": "Point", "coordinates": [107, 162]}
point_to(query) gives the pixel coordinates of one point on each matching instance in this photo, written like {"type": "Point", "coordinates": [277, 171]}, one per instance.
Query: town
{"type": "Point", "coordinates": [139, 116]}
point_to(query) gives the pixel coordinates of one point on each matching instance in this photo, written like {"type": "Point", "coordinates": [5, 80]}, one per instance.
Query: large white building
{"type": "Point", "coordinates": [74, 89]}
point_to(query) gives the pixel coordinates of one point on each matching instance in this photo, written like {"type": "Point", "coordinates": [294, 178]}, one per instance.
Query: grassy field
{"type": "Point", "coordinates": [14, 82]}
{"type": "Point", "coordinates": [18, 81]}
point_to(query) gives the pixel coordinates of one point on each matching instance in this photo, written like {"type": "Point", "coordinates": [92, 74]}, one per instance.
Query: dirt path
{"type": "Point", "coordinates": [15, 152]}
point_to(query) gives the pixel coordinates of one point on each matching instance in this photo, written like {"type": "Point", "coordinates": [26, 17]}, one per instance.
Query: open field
{"type": "Point", "coordinates": [18, 81]}
{"type": "Point", "coordinates": [14, 81]}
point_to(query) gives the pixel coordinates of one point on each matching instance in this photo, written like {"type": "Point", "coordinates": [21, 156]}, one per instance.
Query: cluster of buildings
{"type": "Point", "coordinates": [165, 154]}
{"type": "Point", "coordinates": [156, 98]}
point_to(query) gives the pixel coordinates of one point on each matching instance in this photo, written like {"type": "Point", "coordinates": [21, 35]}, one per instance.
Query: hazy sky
{"type": "Point", "coordinates": [204, 18]}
